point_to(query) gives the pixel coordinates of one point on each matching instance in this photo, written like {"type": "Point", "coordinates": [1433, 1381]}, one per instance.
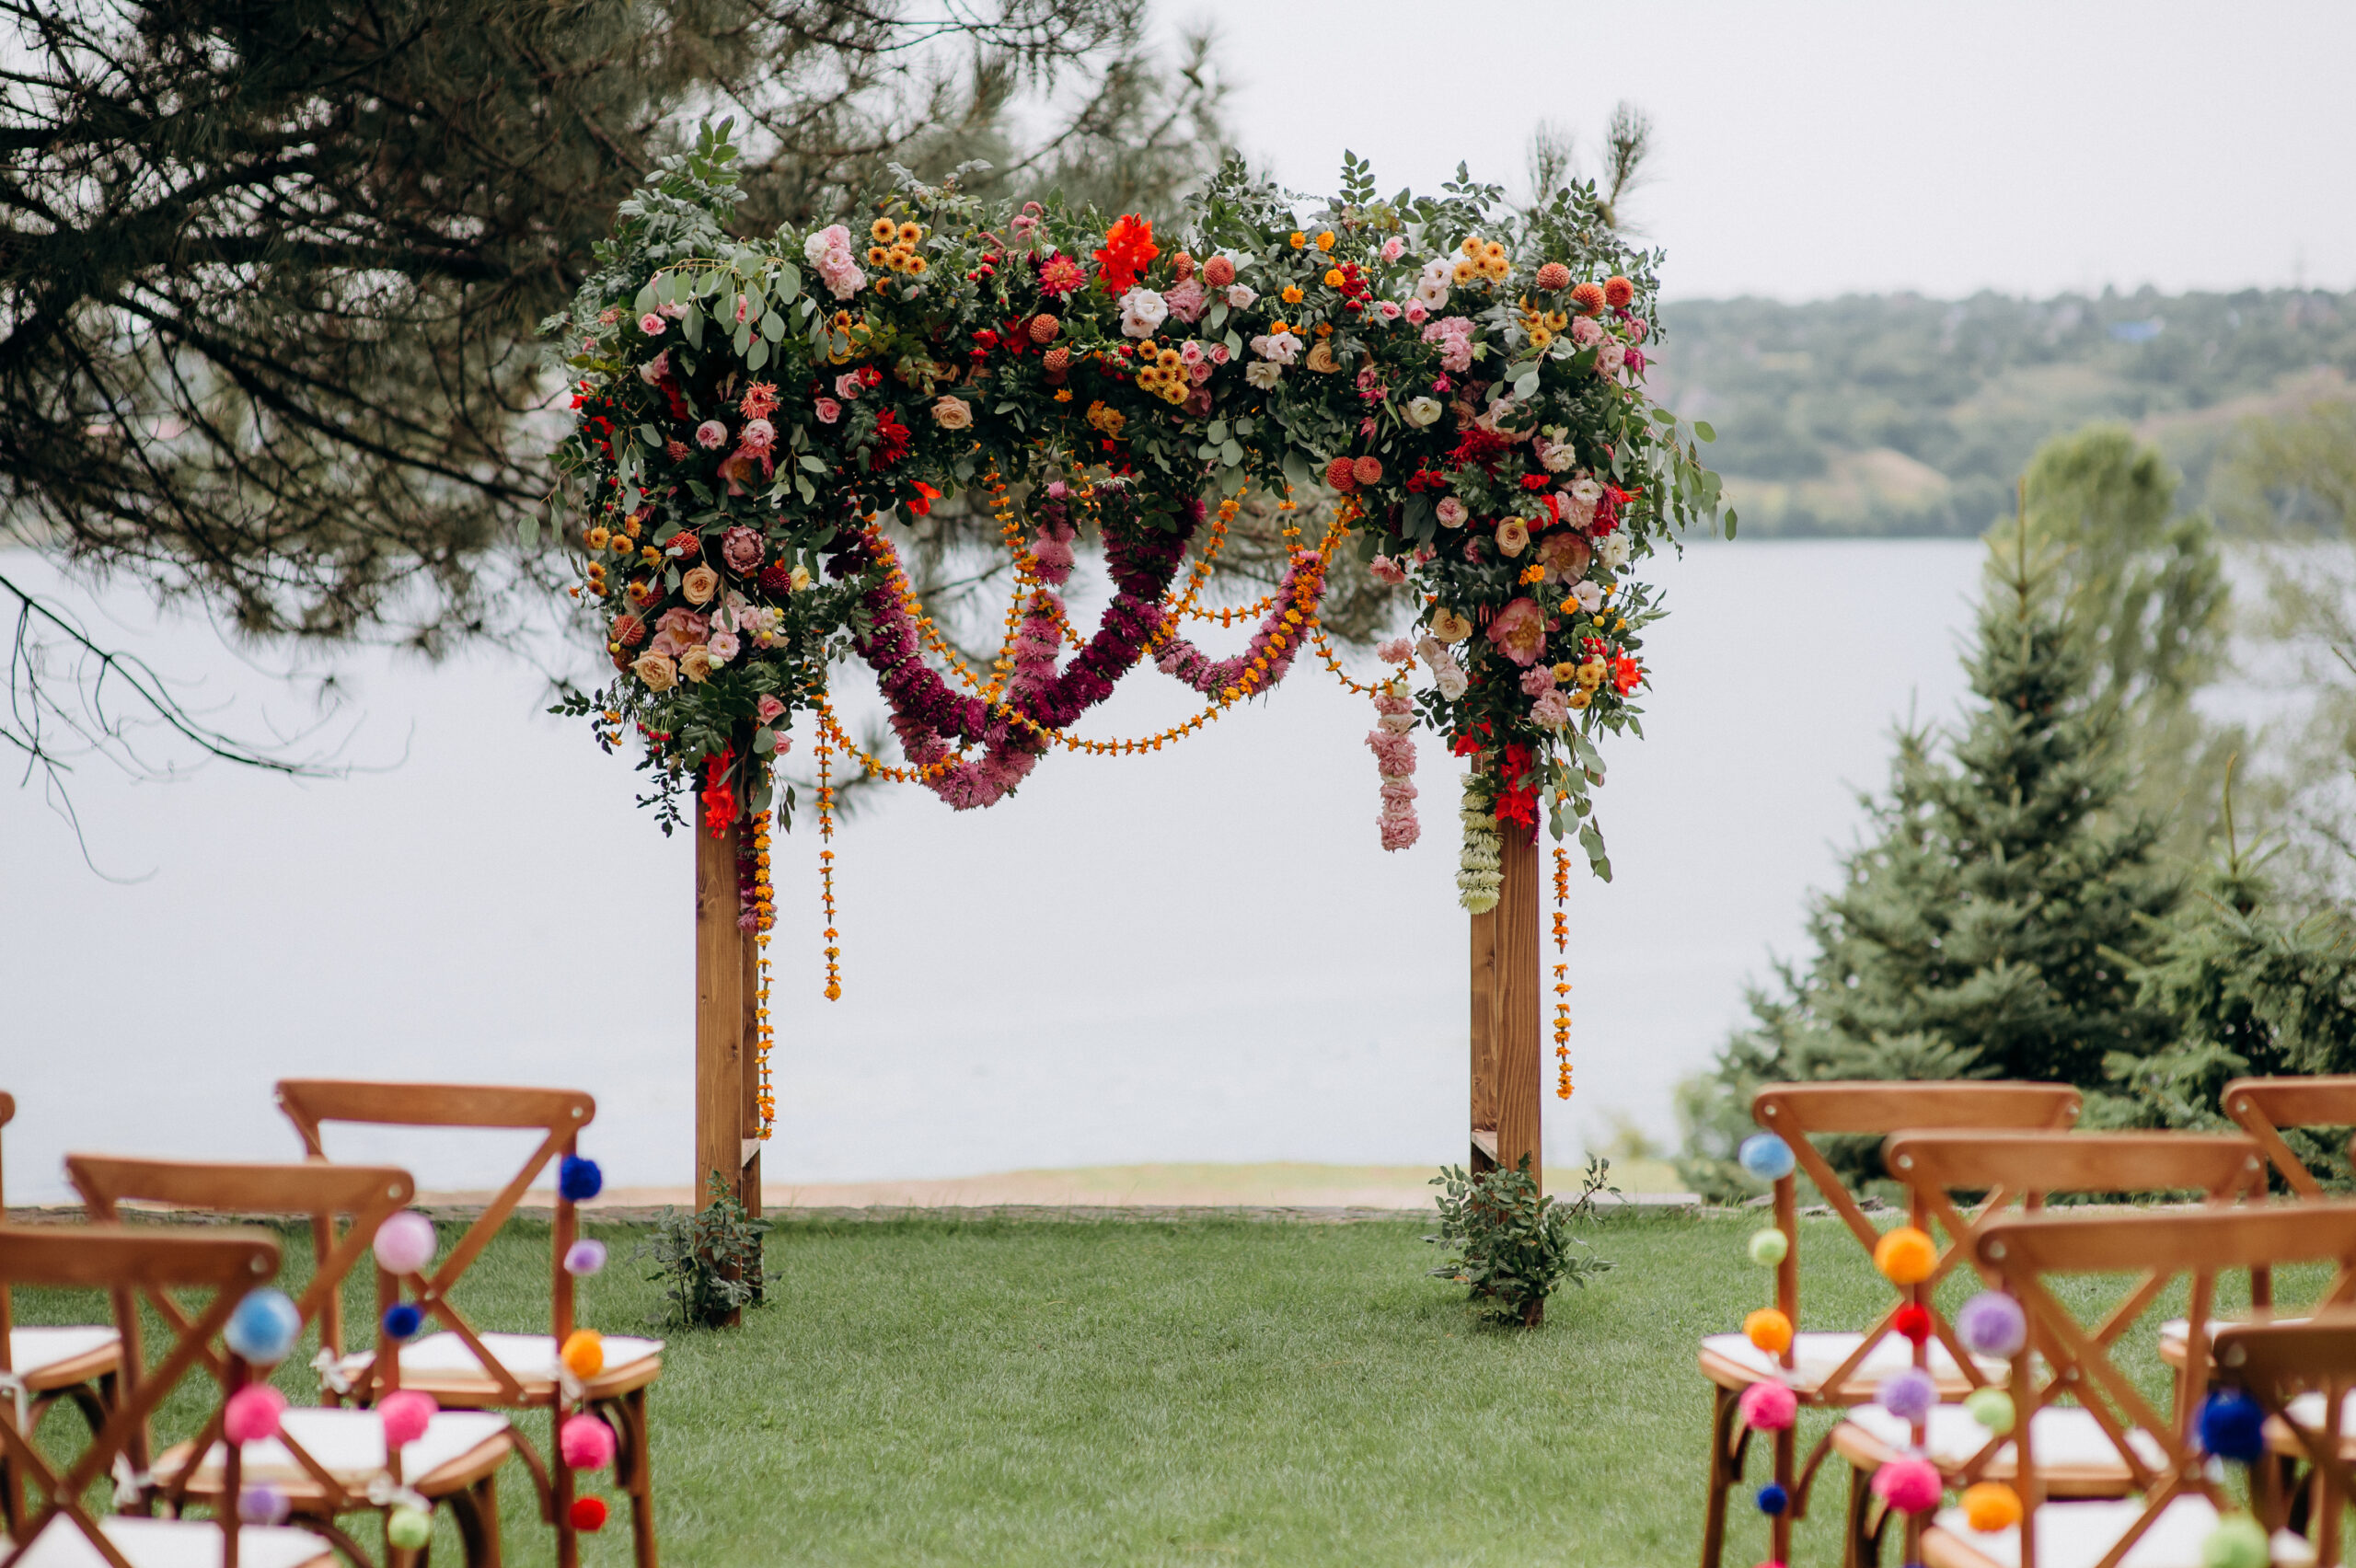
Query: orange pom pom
{"type": "Point", "coordinates": [1588, 298]}
{"type": "Point", "coordinates": [1182, 267]}
{"type": "Point", "coordinates": [1906, 1256]}
{"type": "Point", "coordinates": [1553, 275]}
{"type": "Point", "coordinates": [584, 1353]}
{"type": "Point", "coordinates": [1043, 329]}
{"type": "Point", "coordinates": [1618, 292]}
{"type": "Point", "coordinates": [1769, 1330]}
{"type": "Point", "coordinates": [1990, 1505]}
{"type": "Point", "coordinates": [1367, 470]}
{"type": "Point", "coordinates": [1218, 272]}
{"type": "Point", "coordinates": [1342, 474]}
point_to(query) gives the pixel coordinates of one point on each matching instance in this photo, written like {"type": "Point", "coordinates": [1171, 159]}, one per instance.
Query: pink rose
{"type": "Point", "coordinates": [1186, 302]}
{"type": "Point", "coordinates": [723, 646]}
{"type": "Point", "coordinates": [1393, 247]}
{"type": "Point", "coordinates": [758, 437]}
{"type": "Point", "coordinates": [711, 435]}
{"type": "Point", "coordinates": [1538, 680]}
{"type": "Point", "coordinates": [767, 708]}
{"type": "Point", "coordinates": [1452, 512]}
{"type": "Point", "coordinates": [1416, 313]}
{"type": "Point", "coordinates": [1385, 569]}
{"type": "Point", "coordinates": [1388, 309]}
{"type": "Point", "coordinates": [846, 385]}
{"type": "Point", "coordinates": [830, 410]}
{"type": "Point", "coordinates": [741, 548]}
{"type": "Point", "coordinates": [1519, 631]}
{"type": "Point", "coordinates": [1219, 353]}
{"type": "Point", "coordinates": [651, 324]}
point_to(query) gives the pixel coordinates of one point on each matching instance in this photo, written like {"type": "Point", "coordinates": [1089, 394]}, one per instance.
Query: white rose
{"type": "Point", "coordinates": [1589, 597]}
{"type": "Point", "coordinates": [1423, 410]}
{"type": "Point", "coordinates": [1613, 551]}
{"type": "Point", "coordinates": [1142, 310]}
{"type": "Point", "coordinates": [1281, 347]}
{"type": "Point", "coordinates": [1431, 285]}
{"type": "Point", "coordinates": [1262, 374]}
{"type": "Point", "coordinates": [1239, 295]}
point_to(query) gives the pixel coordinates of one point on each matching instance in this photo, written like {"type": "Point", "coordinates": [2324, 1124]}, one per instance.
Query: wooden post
{"type": "Point", "coordinates": [749, 1056]}
{"type": "Point", "coordinates": [722, 1013]}
{"type": "Point", "coordinates": [1485, 1043]}
{"type": "Point", "coordinates": [1519, 1011]}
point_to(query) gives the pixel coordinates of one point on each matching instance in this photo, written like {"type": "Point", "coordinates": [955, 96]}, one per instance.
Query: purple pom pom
{"type": "Point", "coordinates": [1908, 1394]}
{"type": "Point", "coordinates": [1992, 1323]}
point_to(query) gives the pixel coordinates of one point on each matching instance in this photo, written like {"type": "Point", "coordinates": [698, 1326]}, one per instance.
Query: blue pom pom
{"type": "Point", "coordinates": [263, 1328]}
{"type": "Point", "coordinates": [579, 1179]}
{"type": "Point", "coordinates": [402, 1320]}
{"type": "Point", "coordinates": [2233, 1427]}
{"type": "Point", "coordinates": [1766, 1157]}
{"type": "Point", "coordinates": [1773, 1499]}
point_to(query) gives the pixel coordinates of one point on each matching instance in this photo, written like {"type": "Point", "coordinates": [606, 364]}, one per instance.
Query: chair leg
{"type": "Point", "coordinates": [637, 1475]}
{"type": "Point", "coordinates": [1857, 1550]}
{"type": "Point", "coordinates": [568, 1540]}
{"type": "Point", "coordinates": [1778, 1528]}
{"type": "Point", "coordinates": [476, 1512]}
{"type": "Point", "coordinates": [1729, 1440]}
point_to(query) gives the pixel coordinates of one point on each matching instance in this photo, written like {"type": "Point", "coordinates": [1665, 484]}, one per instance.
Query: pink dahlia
{"type": "Point", "coordinates": [1519, 631]}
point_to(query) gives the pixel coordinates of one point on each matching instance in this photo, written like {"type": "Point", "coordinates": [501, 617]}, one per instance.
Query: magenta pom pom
{"type": "Point", "coordinates": [405, 1242]}
{"type": "Point", "coordinates": [1768, 1407]}
{"type": "Point", "coordinates": [1907, 1395]}
{"type": "Point", "coordinates": [252, 1414]}
{"type": "Point", "coordinates": [406, 1414]}
{"type": "Point", "coordinates": [1993, 1323]}
{"type": "Point", "coordinates": [1911, 1486]}
{"type": "Point", "coordinates": [585, 1443]}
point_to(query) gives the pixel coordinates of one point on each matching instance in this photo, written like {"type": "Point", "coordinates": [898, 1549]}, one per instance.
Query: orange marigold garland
{"type": "Point", "coordinates": [1562, 975]}
{"type": "Point", "coordinates": [826, 866]}
{"type": "Point", "coordinates": [764, 916]}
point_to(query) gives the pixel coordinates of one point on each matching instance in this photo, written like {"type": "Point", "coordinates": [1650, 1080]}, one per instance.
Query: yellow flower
{"type": "Point", "coordinates": [1063, 393]}
{"type": "Point", "coordinates": [1292, 294]}
{"type": "Point", "coordinates": [911, 234]}
{"type": "Point", "coordinates": [1540, 336]}
{"type": "Point", "coordinates": [884, 231]}
{"type": "Point", "coordinates": [1557, 319]}
{"type": "Point", "coordinates": [1472, 248]}
{"type": "Point", "coordinates": [1277, 326]}
{"type": "Point", "coordinates": [916, 266]}
{"type": "Point", "coordinates": [599, 538]}
{"type": "Point", "coordinates": [1464, 272]}
{"type": "Point", "coordinates": [1332, 277]}
{"type": "Point", "coordinates": [1535, 574]}
{"type": "Point", "coordinates": [1325, 240]}
{"type": "Point", "coordinates": [1566, 672]}
{"type": "Point", "coordinates": [1578, 699]}
{"type": "Point", "coordinates": [1299, 239]}
{"type": "Point", "coordinates": [1496, 252]}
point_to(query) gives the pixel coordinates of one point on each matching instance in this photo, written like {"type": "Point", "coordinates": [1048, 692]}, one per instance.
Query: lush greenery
{"type": "Point", "coordinates": [1512, 1244]}
{"type": "Point", "coordinates": [933, 1392]}
{"type": "Point", "coordinates": [708, 1261]}
{"type": "Point", "coordinates": [1899, 415]}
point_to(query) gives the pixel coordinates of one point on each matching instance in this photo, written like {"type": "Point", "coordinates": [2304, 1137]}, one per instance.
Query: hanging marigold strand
{"type": "Point", "coordinates": [764, 916]}
{"type": "Point", "coordinates": [826, 866]}
{"type": "Point", "coordinates": [1562, 975]}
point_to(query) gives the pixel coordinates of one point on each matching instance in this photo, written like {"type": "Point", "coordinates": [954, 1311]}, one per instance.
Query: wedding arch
{"type": "Point", "coordinates": [1467, 382]}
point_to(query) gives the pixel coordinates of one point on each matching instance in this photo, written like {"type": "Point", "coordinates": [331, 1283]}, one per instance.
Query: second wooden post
{"type": "Point", "coordinates": [726, 1119]}
{"type": "Point", "coordinates": [1507, 1011]}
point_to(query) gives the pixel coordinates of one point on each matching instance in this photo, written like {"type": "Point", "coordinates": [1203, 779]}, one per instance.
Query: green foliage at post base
{"type": "Point", "coordinates": [1513, 1244]}
{"type": "Point", "coordinates": [708, 1261]}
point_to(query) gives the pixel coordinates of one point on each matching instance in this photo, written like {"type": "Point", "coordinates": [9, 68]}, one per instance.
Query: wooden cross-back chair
{"type": "Point", "coordinates": [325, 1462]}
{"type": "Point", "coordinates": [1841, 1368]}
{"type": "Point", "coordinates": [2001, 1170]}
{"type": "Point", "coordinates": [43, 1365]}
{"type": "Point", "coordinates": [2177, 1495]}
{"type": "Point", "coordinates": [60, 1531]}
{"type": "Point", "coordinates": [2266, 1108]}
{"type": "Point", "coordinates": [462, 1366]}
{"type": "Point", "coordinates": [2301, 1374]}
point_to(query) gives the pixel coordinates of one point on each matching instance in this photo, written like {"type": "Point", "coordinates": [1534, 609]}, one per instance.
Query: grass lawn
{"type": "Point", "coordinates": [1205, 1391]}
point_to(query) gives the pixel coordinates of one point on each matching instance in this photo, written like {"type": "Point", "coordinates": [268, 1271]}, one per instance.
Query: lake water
{"type": "Point", "coordinates": [1197, 955]}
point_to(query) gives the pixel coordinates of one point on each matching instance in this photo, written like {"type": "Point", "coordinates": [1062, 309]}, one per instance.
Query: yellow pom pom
{"type": "Point", "coordinates": [1990, 1505]}
{"type": "Point", "coordinates": [1906, 1256]}
{"type": "Point", "coordinates": [584, 1353]}
{"type": "Point", "coordinates": [1769, 1330]}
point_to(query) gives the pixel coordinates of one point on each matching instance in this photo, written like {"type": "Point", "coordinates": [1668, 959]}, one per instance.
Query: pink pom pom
{"type": "Point", "coordinates": [252, 1413]}
{"type": "Point", "coordinates": [585, 1443]}
{"type": "Point", "coordinates": [406, 1413]}
{"type": "Point", "coordinates": [1911, 1486]}
{"type": "Point", "coordinates": [1768, 1407]}
{"type": "Point", "coordinates": [405, 1242]}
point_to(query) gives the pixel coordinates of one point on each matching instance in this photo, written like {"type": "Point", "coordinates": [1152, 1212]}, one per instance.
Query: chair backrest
{"type": "Point", "coordinates": [362, 1196]}
{"type": "Point", "coordinates": [2264, 1107]}
{"type": "Point", "coordinates": [2277, 1363]}
{"type": "Point", "coordinates": [2027, 1253]}
{"type": "Point", "coordinates": [1800, 1113]}
{"type": "Point", "coordinates": [129, 1265]}
{"type": "Point", "coordinates": [559, 1115]}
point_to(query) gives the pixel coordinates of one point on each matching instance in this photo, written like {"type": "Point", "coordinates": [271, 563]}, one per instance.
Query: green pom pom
{"type": "Point", "coordinates": [411, 1530]}
{"type": "Point", "coordinates": [1992, 1408]}
{"type": "Point", "coordinates": [2238, 1541]}
{"type": "Point", "coordinates": [1769, 1247]}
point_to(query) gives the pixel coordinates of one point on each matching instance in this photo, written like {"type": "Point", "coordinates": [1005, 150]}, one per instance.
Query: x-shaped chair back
{"type": "Point", "coordinates": [559, 1115]}
{"type": "Point", "coordinates": [2264, 1107]}
{"type": "Point", "coordinates": [2026, 1253]}
{"type": "Point", "coordinates": [363, 1196]}
{"type": "Point", "coordinates": [1801, 1112]}
{"type": "Point", "coordinates": [129, 1265]}
{"type": "Point", "coordinates": [2276, 1362]}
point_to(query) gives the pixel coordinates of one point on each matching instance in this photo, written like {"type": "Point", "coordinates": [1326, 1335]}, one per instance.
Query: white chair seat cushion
{"type": "Point", "coordinates": [529, 1357]}
{"type": "Point", "coordinates": [173, 1543]}
{"type": "Point", "coordinates": [2067, 1437]}
{"type": "Point", "coordinates": [2306, 1410]}
{"type": "Point", "coordinates": [2172, 1332]}
{"type": "Point", "coordinates": [2076, 1534]}
{"type": "Point", "coordinates": [1816, 1354]}
{"type": "Point", "coordinates": [31, 1350]}
{"type": "Point", "coordinates": [350, 1445]}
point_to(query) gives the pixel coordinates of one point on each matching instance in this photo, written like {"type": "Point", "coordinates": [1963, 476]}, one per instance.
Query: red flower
{"type": "Point", "coordinates": [1480, 446]}
{"type": "Point", "coordinates": [1426, 479]}
{"type": "Point", "coordinates": [1535, 481]}
{"type": "Point", "coordinates": [719, 798]}
{"type": "Point", "coordinates": [1129, 250]}
{"type": "Point", "coordinates": [1625, 674]}
{"type": "Point", "coordinates": [985, 339]}
{"type": "Point", "coordinates": [891, 439]}
{"type": "Point", "coordinates": [926, 496]}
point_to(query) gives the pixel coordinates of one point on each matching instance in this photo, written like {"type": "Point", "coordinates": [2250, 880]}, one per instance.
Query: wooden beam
{"type": "Point", "coordinates": [748, 1168]}
{"type": "Point", "coordinates": [1482, 982]}
{"type": "Point", "coordinates": [722, 1010]}
{"type": "Point", "coordinates": [1519, 1011]}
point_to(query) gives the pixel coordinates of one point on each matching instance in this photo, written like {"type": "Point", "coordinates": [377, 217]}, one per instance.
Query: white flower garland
{"type": "Point", "coordinates": [1478, 877]}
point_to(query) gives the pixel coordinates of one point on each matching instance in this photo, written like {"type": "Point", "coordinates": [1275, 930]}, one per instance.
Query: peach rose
{"type": "Point", "coordinates": [953, 413]}
{"type": "Point", "coordinates": [699, 586]}
{"type": "Point", "coordinates": [1513, 537]}
{"type": "Point", "coordinates": [1449, 626]}
{"type": "Point", "coordinates": [656, 670]}
{"type": "Point", "coordinates": [695, 665]}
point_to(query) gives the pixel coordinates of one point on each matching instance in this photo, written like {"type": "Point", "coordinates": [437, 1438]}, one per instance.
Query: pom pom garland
{"type": "Point", "coordinates": [584, 1353]}
{"type": "Point", "coordinates": [409, 1528]}
{"type": "Point", "coordinates": [262, 1505]}
{"type": "Point", "coordinates": [1768, 1407]}
{"type": "Point", "coordinates": [1992, 1408]}
{"type": "Point", "coordinates": [1992, 1323]}
{"type": "Point", "coordinates": [263, 1327]}
{"type": "Point", "coordinates": [584, 1442]}
{"type": "Point", "coordinates": [2238, 1541]}
{"type": "Point", "coordinates": [406, 1413]}
{"type": "Point", "coordinates": [584, 1258]}
{"type": "Point", "coordinates": [1909, 1486]}
{"type": "Point", "coordinates": [1766, 1157]}
{"type": "Point", "coordinates": [2233, 1427]}
{"type": "Point", "coordinates": [1990, 1506]}
{"type": "Point", "coordinates": [402, 1320]}
{"type": "Point", "coordinates": [405, 1243]}
{"type": "Point", "coordinates": [1773, 1499]}
{"type": "Point", "coordinates": [579, 1179]}
{"type": "Point", "coordinates": [1906, 1256]}
{"type": "Point", "coordinates": [1908, 1394]}
{"type": "Point", "coordinates": [1912, 1324]}
{"type": "Point", "coordinates": [1768, 1330]}
{"type": "Point", "coordinates": [1769, 1247]}
{"type": "Point", "coordinates": [588, 1513]}
{"type": "Point", "coordinates": [252, 1414]}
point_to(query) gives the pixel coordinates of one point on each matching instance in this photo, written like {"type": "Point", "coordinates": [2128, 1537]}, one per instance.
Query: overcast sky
{"type": "Point", "coordinates": [1811, 148]}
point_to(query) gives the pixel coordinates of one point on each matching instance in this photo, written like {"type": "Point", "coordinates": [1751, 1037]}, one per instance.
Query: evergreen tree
{"type": "Point", "coordinates": [1987, 926]}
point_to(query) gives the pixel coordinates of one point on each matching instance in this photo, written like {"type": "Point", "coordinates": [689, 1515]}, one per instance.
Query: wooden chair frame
{"type": "Point", "coordinates": [559, 1115]}
{"type": "Point", "coordinates": [2263, 1107]}
{"type": "Point", "coordinates": [128, 1265]}
{"type": "Point", "coordinates": [1797, 1112]}
{"type": "Point", "coordinates": [363, 1197]}
{"type": "Point", "coordinates": [2277, 1362]}
{"type": "Point", "coordinates": [2027, 1168]}
{"type": "Point", "coordinates": [2024, 1252]}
